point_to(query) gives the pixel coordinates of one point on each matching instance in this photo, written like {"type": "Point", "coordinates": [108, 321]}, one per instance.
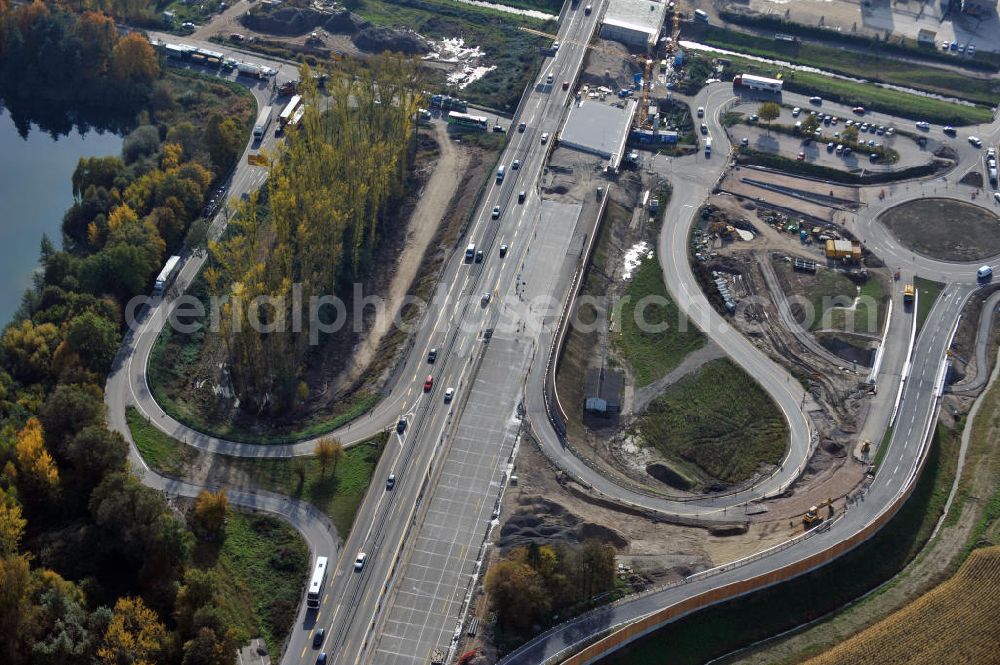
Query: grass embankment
{"type": "Point", "coordinates": [832, 295]}
{"type": "Point", "coordinates": [668, 336]}
{"type": "Point", "coordinates": [262, 564]}
{"type": "Point", "coordinates": [857, 62]}
{"type": "Point", "coordinates": [724, 628]}
{"type": "Point", "coordinates": [928, 291]}
{"type": "Point", "coordinates": [871, 96]}
{"type": "Point", "coordinates": [514, 52]}
{"type": "Point", "coordinates": [338, 493]}
{"type": "Point", "coordinates": [957, 617]}
{"type": "Point", "coordinates": [698, 424]}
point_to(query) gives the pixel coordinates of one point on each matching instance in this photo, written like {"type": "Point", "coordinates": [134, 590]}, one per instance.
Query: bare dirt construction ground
{"type": "Point", "coordinates": [819, 201]}
{"type": "Point", "coordinates": [545, 507]}
{"type": "Point", "coordinates": [945, 229]}
{"type": "Point", "coordinates": [424, 222]}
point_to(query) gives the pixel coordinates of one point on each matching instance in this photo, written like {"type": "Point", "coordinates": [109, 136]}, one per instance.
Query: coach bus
{"type": "Point", "coordinates": [316, 583]}
{"type": "Point", "coordinates": [288, 112]}
{"type": "Point", "coordinates": [459, 119]}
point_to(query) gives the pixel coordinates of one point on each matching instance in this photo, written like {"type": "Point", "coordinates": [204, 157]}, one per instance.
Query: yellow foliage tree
{"type": "Point", "coordinates": [135, 635]}
{"type": "Point", "coordinates": [36, 470]}
{"type": "Point", "coordinates": [29, 349]}
{"type": "Point", "coordinates": [210, 509]}
{"type": "Point", "coordinates": [134, 60]}
{"type": "Point", "coordinates": [329, 451]}
{"type": "Point", "coordinates": [329, 189]}
{"type": "Point", "coordinates": [11, 528]}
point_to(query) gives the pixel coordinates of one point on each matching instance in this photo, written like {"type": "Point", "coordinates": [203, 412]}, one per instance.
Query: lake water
{"type": "Point", "coordinates": [35, 191]}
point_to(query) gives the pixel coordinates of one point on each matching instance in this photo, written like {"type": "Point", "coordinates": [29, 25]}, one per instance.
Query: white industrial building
{"type": "Point", "coordinates": [635, 23]}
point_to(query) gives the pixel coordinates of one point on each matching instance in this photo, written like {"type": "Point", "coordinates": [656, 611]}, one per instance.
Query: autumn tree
{"type": "Point", "coordinates": [225, 139]}
{"type": "Point", "coordinates": [198, 590]}
{"type": "Point", "coordinates": [135, 635]}
{"type": "Point", "coordinates": [769, 112]}
{"type": "Point", "coordinates": [517, 592]}
{"type": "Point", "coordinates": [810, 125]}
{"type": "Point", "coordinates": [328, 451]}
{"type": "Point", "coordinates": [329, 190]}
{"type": "Point", "coordinates": [97, 34]}
{"type": "Point", "coordinates": [210, 510]}
{"type": "Point", "coordinates": [11, 527]}
{"type": "Point", "coordinates": [28, 349]}
{"type": "Point", "coordinates": [37, 475]}
{"type": "Point", "coordinates": [96, 451]}
{"type": "Point", "coordinates": [67, 410]}
{"type": "Point", "coordinates": [17, 611]}
{"type": "Point", "coordinates": [133, 60]}
{"type": "Point", "coordinates": [94, 339]}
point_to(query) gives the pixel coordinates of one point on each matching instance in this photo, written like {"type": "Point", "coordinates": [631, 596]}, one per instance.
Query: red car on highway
{"type": "Point", "coordinates": [429, 383]}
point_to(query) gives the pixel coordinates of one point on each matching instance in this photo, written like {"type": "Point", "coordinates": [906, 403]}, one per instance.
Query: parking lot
{"type": "Point", "coordinates": [816, 151]}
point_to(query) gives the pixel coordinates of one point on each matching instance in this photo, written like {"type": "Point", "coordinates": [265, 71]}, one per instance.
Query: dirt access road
{"type": "Point", "coordinates": [423, 226]}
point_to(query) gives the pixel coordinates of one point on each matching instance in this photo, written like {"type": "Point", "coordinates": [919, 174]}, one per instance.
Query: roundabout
{"type": "Point", "coordinates": [945, 229]}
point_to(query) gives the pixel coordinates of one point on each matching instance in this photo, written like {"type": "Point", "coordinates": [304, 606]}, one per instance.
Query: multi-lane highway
{"type": "Point", "coordinates": [422, 537]}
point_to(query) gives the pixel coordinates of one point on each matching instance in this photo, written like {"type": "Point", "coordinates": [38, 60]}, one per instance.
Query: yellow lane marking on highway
{"type": "Point", "coordinates": [303, 654]}
{"type": "Point", "coordinates": [326, 597]}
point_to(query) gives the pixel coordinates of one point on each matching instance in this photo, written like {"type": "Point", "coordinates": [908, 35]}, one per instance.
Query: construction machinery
{"type": "Point", "coordinates": [813, 516]}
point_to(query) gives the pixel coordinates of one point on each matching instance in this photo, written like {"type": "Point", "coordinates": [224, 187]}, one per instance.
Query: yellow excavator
{"type": "Point", "coordinates": [813, 517]}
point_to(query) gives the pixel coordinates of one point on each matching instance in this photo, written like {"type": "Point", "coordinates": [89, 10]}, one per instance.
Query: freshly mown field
{"type": "Point", "coordinates": [957, 622]}
{"type": "Point", "coordinates": [718, 421]}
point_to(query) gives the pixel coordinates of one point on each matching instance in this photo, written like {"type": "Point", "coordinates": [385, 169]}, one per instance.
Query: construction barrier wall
{"type": "Point", "coordinates": [733, 590]}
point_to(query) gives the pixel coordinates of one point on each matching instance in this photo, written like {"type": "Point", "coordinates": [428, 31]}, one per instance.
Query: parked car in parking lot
{"type": "Point", "coordinates": [796, 111]}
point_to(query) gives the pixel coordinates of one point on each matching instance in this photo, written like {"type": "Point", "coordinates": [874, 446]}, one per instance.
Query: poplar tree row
{"type": "Point", "coordinates": [330, 189]}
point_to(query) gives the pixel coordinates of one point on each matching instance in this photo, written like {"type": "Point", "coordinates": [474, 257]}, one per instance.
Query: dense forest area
{"type": "Point", "coordinates": [95, 567]}
{"type": "Point", "coordinates": [329, 191]}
